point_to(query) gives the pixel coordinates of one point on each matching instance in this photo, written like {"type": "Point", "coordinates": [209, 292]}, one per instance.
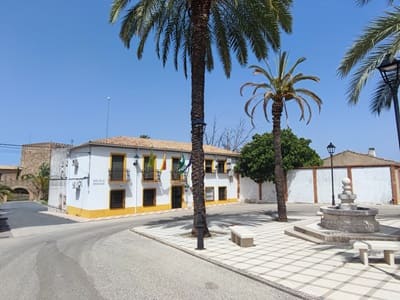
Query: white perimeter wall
{"type": "Point", "coordinates": [324, 184]}
{"type": "Point", "coordinates": [300, 186]}
{"type": "Point", "coordinates": [249, 191]}
{"type": "Point", "coordinates": [372, 185]}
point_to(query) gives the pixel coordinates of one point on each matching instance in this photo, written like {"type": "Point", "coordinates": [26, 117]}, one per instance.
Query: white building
{"type": "Point", "coordinates": [125, 175]}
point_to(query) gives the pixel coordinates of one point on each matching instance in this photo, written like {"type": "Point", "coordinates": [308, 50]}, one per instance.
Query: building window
{"type": "Point", "coordinates": [222, 193]}
{"type": "Point", "coordinates": [209, 193]}
{"type": "Point", "coordinates": [209, 165]}
{"type": "Point", "coordinates": [221, 166]}
{"type": "Point", "coordinates": [117, 167]}
{"type": "Point", "coordinates": [117, 199]}
{"type": "Point", "coordinates": [149, 197]}
{"type": "Point", "coordinates": [148, 170]}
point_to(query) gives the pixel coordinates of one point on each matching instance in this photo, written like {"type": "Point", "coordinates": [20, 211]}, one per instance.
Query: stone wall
{"type": "Point", "coordinates": [33, 155]}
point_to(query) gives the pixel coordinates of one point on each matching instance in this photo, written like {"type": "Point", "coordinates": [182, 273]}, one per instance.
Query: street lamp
{"type": "Point", "coordinates": [108, 116]}
{"type": "Point", "coordinates": [331, 149]}
{"type": "Point", "coordinates": [390, 69]}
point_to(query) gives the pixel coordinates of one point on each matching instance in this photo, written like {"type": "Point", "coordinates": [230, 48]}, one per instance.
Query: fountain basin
{"type": "Point", "coordinates": [358, 220]}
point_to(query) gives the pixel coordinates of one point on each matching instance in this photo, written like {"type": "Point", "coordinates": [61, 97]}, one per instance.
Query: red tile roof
{"type": "Point", "coordinates": [143, 143]}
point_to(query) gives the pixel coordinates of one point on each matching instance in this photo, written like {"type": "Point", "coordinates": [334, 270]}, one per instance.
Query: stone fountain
{"type": "Point", "coordinates": [347, 216]}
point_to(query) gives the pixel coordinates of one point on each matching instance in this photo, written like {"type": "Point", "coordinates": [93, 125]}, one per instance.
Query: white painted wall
{"type": "Point", "coordinates": [300, 186]}
{"type": "Point", "coordinates": [78, 174]}
{"type": "Point", "coordinates": [372, 185]}
{"type": "Point", "coordinates": [94, 192]}
{"type": "Point", "coordinates": [58, 176]}
{"type": "Point", "coordinates": [324, 184]}
{"type": "Point", "coordinates": [249, 191]}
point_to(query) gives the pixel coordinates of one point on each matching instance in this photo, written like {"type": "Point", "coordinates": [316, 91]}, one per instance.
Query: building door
{"type": "Point", "coordinates": [176, 196]}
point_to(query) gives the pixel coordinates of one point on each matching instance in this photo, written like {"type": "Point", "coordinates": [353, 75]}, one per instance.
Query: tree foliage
{"type": "Point", "coordinates": [40, 181]}
{"type": "Point", "coordinates": [380, 40]}
{"type": "Point", "coordinates": [4, 191]}
{"type": "Point", "coordinates": [256, 159]}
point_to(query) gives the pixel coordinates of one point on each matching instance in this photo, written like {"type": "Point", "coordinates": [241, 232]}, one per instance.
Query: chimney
{"type": "Point", "coordinates": [371, 152]}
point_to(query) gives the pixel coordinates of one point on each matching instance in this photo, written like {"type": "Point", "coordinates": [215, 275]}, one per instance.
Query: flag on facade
{"type": "Point", "coordinates": [164, 163]}
{"type": "Point", "coordinates": [181, 164]}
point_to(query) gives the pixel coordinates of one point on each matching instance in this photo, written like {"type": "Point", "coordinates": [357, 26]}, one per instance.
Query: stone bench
{"type": "Point", "coordinates": [388, 248]}
{"type": "Point", "coordinates": [242, 236]}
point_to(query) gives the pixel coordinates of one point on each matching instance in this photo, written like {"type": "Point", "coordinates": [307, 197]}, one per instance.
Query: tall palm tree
{"type": "Point", "coordinates": [189, 29]}
{"type": "Point", "coordinates": [278, 90]}
{"type": "Point", "coordinates": [378, 40]}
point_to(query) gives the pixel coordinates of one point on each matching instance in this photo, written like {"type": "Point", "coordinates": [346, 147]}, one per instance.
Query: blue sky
{"type": "Point", "coordinates": [60, 60]}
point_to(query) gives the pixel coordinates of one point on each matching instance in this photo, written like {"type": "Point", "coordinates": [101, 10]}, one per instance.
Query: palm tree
{"type": "Point", "coordinates": [4, 192]}
{"type": "Point", "coordinates": [40, 181]}
{"type": "Point", "coordinates": [378, 40]}
{"type": "Point", "coordinates": [279, 90]}
{"type": "Point", "coordinates": [189, 29]}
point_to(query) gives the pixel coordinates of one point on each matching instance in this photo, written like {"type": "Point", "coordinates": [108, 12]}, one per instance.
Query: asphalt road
{"type": "Point", "coordinates": [54, 258]}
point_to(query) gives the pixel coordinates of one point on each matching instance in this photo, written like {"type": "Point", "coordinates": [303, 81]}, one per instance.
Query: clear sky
{"type": "Point", "coordinates": [60, 60]}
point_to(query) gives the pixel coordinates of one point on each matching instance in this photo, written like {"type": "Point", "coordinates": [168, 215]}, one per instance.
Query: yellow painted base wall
{"type": "Point", "coordinates": [216, 202]}
{"type": "Point", "coordinates": [101, 213]}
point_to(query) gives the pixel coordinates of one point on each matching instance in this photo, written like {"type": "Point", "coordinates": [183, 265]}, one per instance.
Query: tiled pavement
{"type": "Point", "coordinates": [327, 271]}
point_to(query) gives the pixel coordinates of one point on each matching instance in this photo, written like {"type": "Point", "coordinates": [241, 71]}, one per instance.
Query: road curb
{"type": "Point", "coordinates": [275, 285]}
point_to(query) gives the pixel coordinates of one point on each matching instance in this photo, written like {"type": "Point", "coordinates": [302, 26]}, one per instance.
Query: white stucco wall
{"type": "Point", "coordinates": [324, 184]}
{"type": "Point", "coordinates": [249, 191]}
{"type": "Point", "coordinates": [372, 185]}
{"type": "Point", "coordinates": [78, 174]}
{"type": "Point", "coordinates": [300, 186]}
{"type": "Point", "coordinates": [58, 178]}
{"type": "Point", "coordinates": [94, 193]}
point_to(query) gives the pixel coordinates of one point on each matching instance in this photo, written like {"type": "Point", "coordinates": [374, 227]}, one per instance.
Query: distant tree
{"type": "Point", "coordinates": [4, 192]}
{"type": "Point", "coordinates": [230, 138]}
{"type": "Point", "coordinates": [144, 136]}
{"type": "Point", "coordinates": [257, 158]}
{"type": "Point", "coordinates": [40, 181]}
{"type": "Point", "coordinates": [280, 89]}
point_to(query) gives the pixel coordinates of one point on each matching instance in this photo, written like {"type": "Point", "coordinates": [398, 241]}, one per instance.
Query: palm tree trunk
{"type": "Point", "coordinates": [277, 107]}
{"type": "Point", "coordinates": [200, 13]}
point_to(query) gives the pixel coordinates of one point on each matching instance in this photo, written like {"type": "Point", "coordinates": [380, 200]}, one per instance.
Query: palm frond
{"type": "Point", "coordinates": [382, 98]}
{"type": "Point", "coordinates": [281, 88]}
{"type": "Point", "coordinates": [380, 29]}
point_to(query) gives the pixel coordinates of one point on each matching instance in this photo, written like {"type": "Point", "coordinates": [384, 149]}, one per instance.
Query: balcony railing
{"type": "Point", "coordinates": [119, 175]}
{"type": "Point", "coordinates": [151, 175]}
{"type": "Point", "coordinates": [177, 176]}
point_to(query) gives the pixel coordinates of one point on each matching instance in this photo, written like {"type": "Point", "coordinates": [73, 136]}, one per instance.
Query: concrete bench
{"type": "Point", "coordinates": [388, 248]}
{"type": "Point", "coordinates": [242, 236]}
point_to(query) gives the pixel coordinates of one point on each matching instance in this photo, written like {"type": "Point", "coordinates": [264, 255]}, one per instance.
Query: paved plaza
{"type": "Point", "coordinates": [300, 267]}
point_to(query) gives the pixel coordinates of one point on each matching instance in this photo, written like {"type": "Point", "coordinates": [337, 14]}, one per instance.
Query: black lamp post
{"type": "Point", "coordinates": [331, 149]}
{"type": "Point", "coordinates": [390, 69]}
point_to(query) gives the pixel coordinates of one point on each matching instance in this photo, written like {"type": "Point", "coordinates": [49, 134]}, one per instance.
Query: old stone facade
{"type": "Point", "coordinates": [32, 157]}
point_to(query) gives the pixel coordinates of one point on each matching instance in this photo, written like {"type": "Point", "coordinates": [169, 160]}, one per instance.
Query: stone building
{"type": "Point", "coordinates": [32, 157]}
